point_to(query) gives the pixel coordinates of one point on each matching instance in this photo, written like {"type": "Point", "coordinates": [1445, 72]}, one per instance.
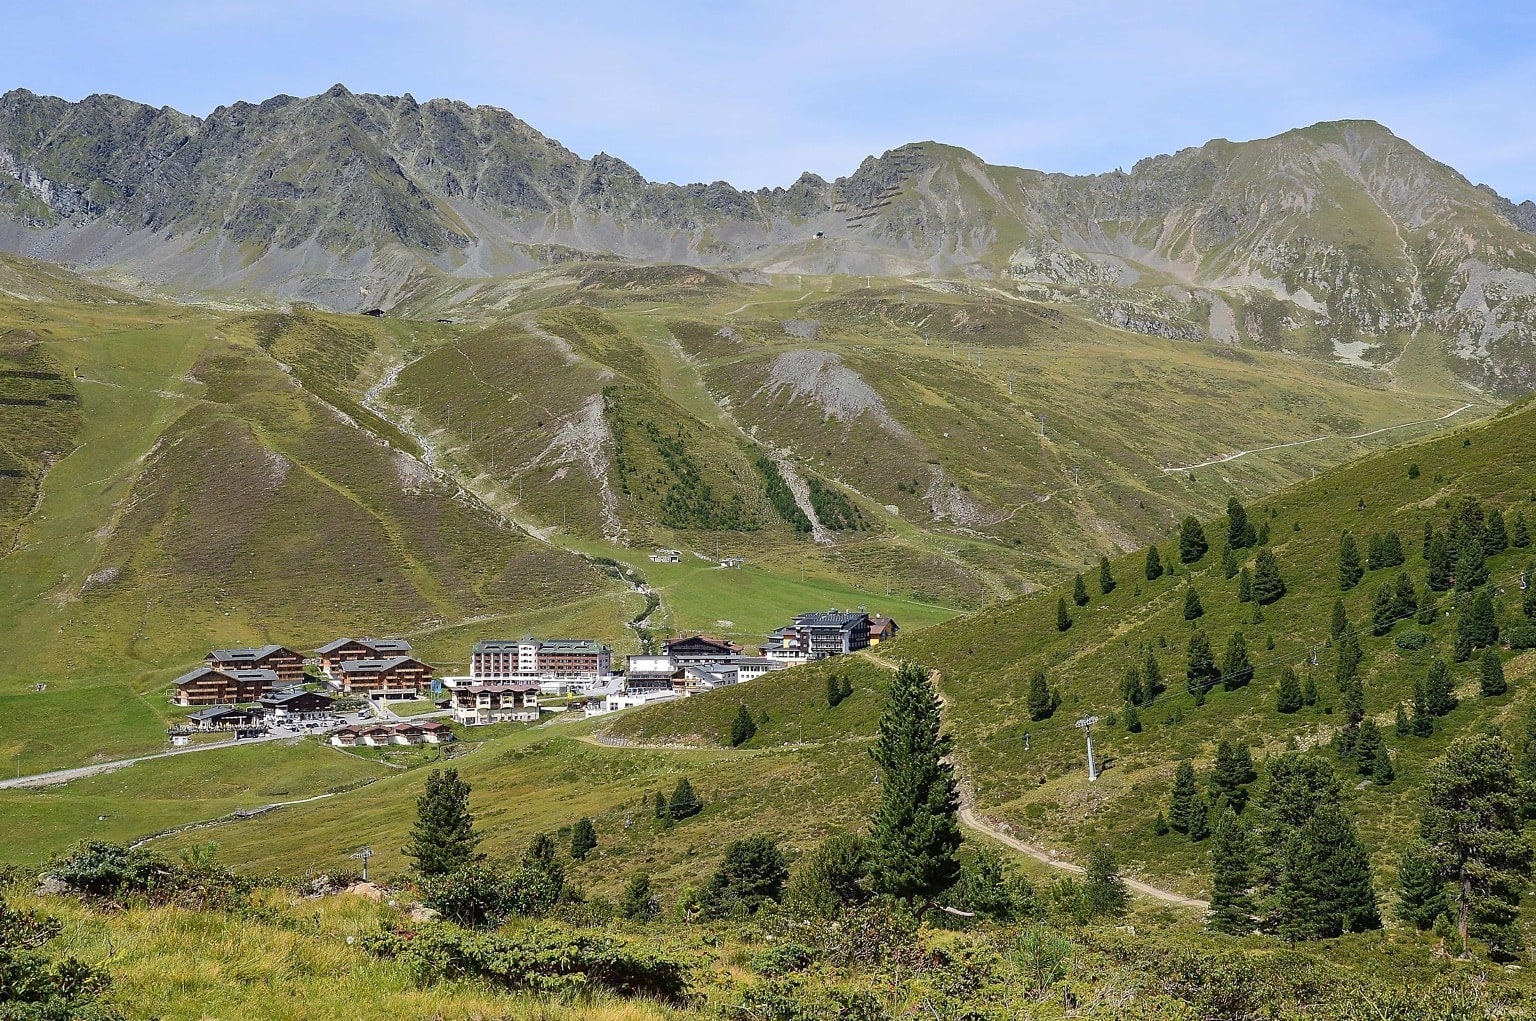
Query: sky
{"type": "Point", "coordinates": [755, 93]}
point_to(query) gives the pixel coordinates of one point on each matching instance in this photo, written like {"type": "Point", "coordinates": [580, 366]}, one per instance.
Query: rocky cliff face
{"type": "Point", "coordinates": [1340, 239]}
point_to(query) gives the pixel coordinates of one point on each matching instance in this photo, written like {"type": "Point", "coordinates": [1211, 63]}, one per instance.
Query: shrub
{"type": "Point", "coordinates": [1411, 641]}
{"type": "Point", "coordinates": [117, 872]}
{"type": "Point", "coordinates": [1522, 636]}
{"type": "Point", "coordinates": [781, 959]}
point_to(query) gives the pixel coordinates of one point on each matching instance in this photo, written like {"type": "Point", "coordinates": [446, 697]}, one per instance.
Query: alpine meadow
{"type": "Point", "coordinates": [445, 576]}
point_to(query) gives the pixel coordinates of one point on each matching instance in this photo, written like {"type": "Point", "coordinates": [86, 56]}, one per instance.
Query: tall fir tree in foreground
{"type": "Point", "coordinates": [443, 839]}
{"type": "Point", "coordinates": [1473, 828]}
{"type": "Point", "coordinates": [1421, 894]}
{"type": "Point", "coordinates": [916, 828]}
{"type": "Point", "coordinates": [1232, 905]}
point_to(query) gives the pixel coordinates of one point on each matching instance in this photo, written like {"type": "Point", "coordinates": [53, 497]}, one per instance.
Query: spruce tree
{"type": "Point", "coordinates": [1240, 534]}
{"type": "Point", "coordinates": [1288, 699]}
{"type": "Point", "coordinates": [1401, 725]}
{"type": "Point", "coordinates": [1471, 565]}
{"type": "Point", "coordinates": [1405, 598]}
{"type": "Point", "coordinates": [1154, 564]}
{"type": "Point", "coordinates": [1079, 591]}
{"type": "Point", "coordinates": [685, 803]}
{"type": "Point", "coordinates": [1439, 689]}
{"type": "Point", "coordinates": [1382, 773]}
{"type": "Point", "coordinates": [443, 839]}
{"type": "Point", "coordinates": [1375, 552]}
{"type": "Point", "coordinates": [1392, 550]}
{"type": "Point", "coordinates": [1153, 676]}
{"type": "Point", "coordinates": [1200, 821]}
{"type": "Point", "coordinates": [834, 691]}
{"type": "Point", "coordinates": [1236, 667]}
{"type": "Point", "coordinates": [638, 903]}
{"type": "Point", "coordinates": [1383, 611]}
{"type": "Point", "coordinates": [1131, 688]}
{"type": "Point", "coordinates": [1232, 774]}
{"type": "Point", "coordinates": [1185, 801]}
{"type": "Point", "coordinates": [1429, 538]}
{"type": "Point", "coordinates": [659, 804]}
{"type": "Point", "coordinates": [845, 689]}
{"type": "Point", "coordinates": [1350, 571]}
{"type": "Point", "coordinates": [1106, 577]}
{"type": "Point", "coordinates": [1495, 534]}
{"type": "Point", "coordinates": [1268, 586]}
{"type": "Point", "coordinates": [1042, 700]}
{"type": "Point", "coordinates": [1201, 672]}
{"type": "Point", "coordinates": [1132, 719]}
{"type": "Point", "coordinates": [1473, 827]}
{"type": "Point", "coordinates": [1192, 607]}
{"type": "Point", "coordinates": [583, 839]}
{"type": "Point", "coordinates": [915, 831]}
{"type": "Point", "coordinates": [1325, 888]}
{"type": "Point", "coordinates": [1228, 562]}
{"type": "Point", "coordinates": [1347, 661]}
{"type": "Point", "coordinates": [1421, 895]}
{"type": "Point", "coordinates": [1063, 619]}
{"type": "Point", "coordinates": [1309, 691]}
{"type": "Point", "coordinates": [1423, 720]}
{"type": "Point", "coordinates": [1367, 746]}
{"type": "Point", "coordinates": [742, 727]}
{"type": "Point", "coordinates": [1104, 892]}
{"type": "Point", "coordinates": [1160, 824]}
{"type": "Point", "coordinates": [1192, 543]}
{"type": "Point", "coordinates": [1340, 622]}
{"type": "Point", "coordinates": [1485, 627]}
{"type": "Point", "coordinates": [1245, 586]}
{"type": "Point", "coordinates": [1491, 675]}
{"type": "Point", "coordinates": [1232, 906]}
{"type": "Point", "coordinates": [1262, 538]}
{"type": "Point", "coordinates": [1520, 537]}
{"type": "Point", "coordinates": [1441, 560]}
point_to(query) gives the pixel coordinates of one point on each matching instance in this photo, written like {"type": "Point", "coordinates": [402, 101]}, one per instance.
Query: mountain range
{"type": "Point", "coordinates": [1338, 240]}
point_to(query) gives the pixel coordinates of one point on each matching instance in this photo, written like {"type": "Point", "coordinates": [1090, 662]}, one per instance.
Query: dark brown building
{"type": "Point", "coordinates": [287, 664]}
{"type": "Point", "coordinates": [211, 686]}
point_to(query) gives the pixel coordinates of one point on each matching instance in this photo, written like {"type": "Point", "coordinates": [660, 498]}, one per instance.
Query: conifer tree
{"type": "Point", "coordinates": [1192, 607]}
{"type": "Point", "coordinates": [1132, 719]}
{"type": "Point", "coordinates": [685, 803]}
{"type": "Point", "coordinates": [1473, 828]}
{"type": "Point", "coordinates": [1262, 538]}
{"type": "Point", "coordinates": [1160, 824]}
{"type": "Point", "coordinates": [1186, 798]}
{"type": "Point", "coordinates": [1375, 552]}
{"type": "Point", "coordinates": [1309, 691]}
{"type": "Point", "coordinates": [1268, 586]}
{"type": "Point", "coordinates": [1405, 598]}
{"type": "Point", "coordinates": [1429, 537]}
{"type": "Point", "coordinates": [1421, 896]}
{"type": "Point", "coordinates": [742, 727]}
{"type": "Point", "coordinates": [1063, 619]}
{"type": "Point", "coordinates": [1232, 774]}
{"type": "Point", "coordinates": [1236, 667]}
{"type": "Point", "coordinates": [1079, 591]}
{"type": "Point", "coordinates": [834, 691]}
{"type": "Point", "coordinates": [1228, 562]}
{"type": "Point", "coordinates": [1382, 773]}
{"type": "Point", "coordinates": [1200, 821]}
{"type": "Point", "coordinates": [1340, 623]}
{"type": "Point", "coordinates": [659, 804]}
{"type": "Point", "coordinates": [583, 839]}
{"type": "Point", "coordinates": [1471, 567]}
{"type": "Point", "coordinates": [1288, 700]}
{"type": "Point", "coordinates": [1131, 687]}
{"type": "Point", "coordinates": [1367, 746]}
{"type": "Point", "coordinates": [1401, 725]}
{"type": "Point", "coordinates": [1495, 534]}
{"type": "Point", "coordinates": [1439, 689]}
{"type": "Point", "coordinates": [1201, 672]}
{"type": "Point", "coordinates": [1350, 571]}
{"type": "Point", "coordinates": [443, 839]}
{"type": "Point", "coordinates": [1520, 536]}
{"type": "Point", "coordinates": [1042, 700]}
{"type": "Point", "coordinates": [1152, 674]}
{"type": "Point", "coordinates": [1104, 892]}
{"type": "Point", "coordinates": [1491, 675]}
{"type": "Point", "coordinates": [1106, 577]}
{"type": "Point", "coordinates": [638, 903]}
{"type": "Point", "coordinates": [1240, 534]}
{"type": "Point", "coordinates": [1232, 906]}
{"type": "Point", "coordinates": [1192, 542]}
{"type": "Point", "coordinates": [1383, 618]}
{"type": "Point", "coordinates": [1392, 550]}
{"type": "Point", "coordinates": [915, 831]}
{"type": "Point", "coordinates": [1325, 888]}
{"type": "Point", "coordinates": [1347, 663]}
{"type": "Point", "coordinates": [845, 689]}
{"type": "Point", "coordinates": [1245, 586]}
{"type": "Point", "coordinates": [1154, 564]}
{"type": "Point", "coordinates": [1441, 560]}
{"type": "Point", "coordinates": [1423, 720]}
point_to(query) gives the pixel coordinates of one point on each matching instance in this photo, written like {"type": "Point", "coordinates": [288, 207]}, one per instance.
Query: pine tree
{"type": "Point", "coordinates": [1262, 538]}
{"type": "Point", "coordinates": [1154, 564]}
{"type": "Point", "coordinates": [638, 903]}
{"type": "Point", "coordinates": [1106, 577]}
{"type": "Point", "coordinates": [1236, 667]}
{"type": "Point", "coordinates": [1405, 598]}
{"type": "Point", "coordinates": [1392, 550]}
{"type": "Point", "coordinates": [1042, 700]}
{"type": "Point", "coordinates": [1228, 562]}
{"type": "Point", "coordinates": [1485, 627]}
{"type": "Point", "coordinates": [845, 689]}
{"type": "Point", "coordinates": [1104, 892]}
{"type": "Point", "coordinates": [1200, 821]}
{"type": "Point", "coordinates": [1382, 773]}
{"type": "Point", "coordinates": [1063, 620]}
{"type": "Point", "coordinates": [1421, 897]}
{"type": "Point", "coordinates": [1268, 586]}
{"type": "Point", "coordinates": [1520, 537]}
{"type": "Point", "coordinates": [444, 838]}
{"type": "Point", "coordinates": [1309, 691]}
{"type": "Point", "coordinates": [1473, 827]}
{"type": "Point", "coordinates": [1201, 672]}
{"type": "Point", "coordinates": [659, 803]}
{"type": "Point", "coordinates": [1401, 725]}
{"type": "Point", "coordinates": [1325, 887]}
{"type": "Point", "coordinates": [1192, 543]}
{"type": "Point", "coordinates": [1441, 560]}
{"type": "Point", "coordinates": [1232, 906]}
{"type": "Point", "coordinates": [1192, 607]}
{"type": "Point", "coordinates": [1182, 808]}
{"type": "Point", "coordinates": [684, 804]}
{"type": "Point", "coordinates": [834, 691]}
{"type": "Point", "coordinates": [1471, 567]}
{"type": "Point", "coordinates": [1367, 746]}
{"type": "Point", "coordinates": [1350, 571]}
{"type": "Point", "coordinates": [1232, 774]}
{"type": "Point", "coordinates": [1245, 586]}
{"type": "Point", "coordinates": [1132, 719]}
{"type": "Point", "coordinates": [915, 831]}
{"type": "Point", "coordinates": [1495, 534]}
{"type": "Point", "coordinates": [1160, 824]}
{"type": "Point", "coordinates": [1288, 700]}
{"type": "Point", "coordinates": [1131, 688]}
{"type": "Point", "coordinates": [1347, 662]}
{"type": "Point", "coordinates": [1383, 611]}
{"type": "Point", "coordinates": [1079, 591]}
{"type": "Point", "coordinates": [583, 839]}
{"type": "Point", "coordinates": [1429, 538]}
{"type": "Point", "coordinates": [1375, 552]}
{"type": "Point", "coordinates": [1340, 625]}
{"type": "Point", "coordinates": [1491, 675]}
{"type": "Point", "coordinates": [1153, 675]}
{"type": "Point", "coordinates": [1423, 720]}
{"type": "Point", "coordinates": [1439, 689]}
{"type": "Point", "coordinates": [1240, 534]}
{"type": "Point", "coordinates": [742, 727]}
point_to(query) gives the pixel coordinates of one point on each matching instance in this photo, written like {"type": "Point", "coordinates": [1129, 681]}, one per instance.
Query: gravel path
{"type": "Point", "coordinates": [59, 776]}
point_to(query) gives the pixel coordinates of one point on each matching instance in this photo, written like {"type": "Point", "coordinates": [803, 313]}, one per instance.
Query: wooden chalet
{"type": "Point", "coordinates": [881, 629]}
{"type": "Point", "coordinates": [296, 705]}
{"type": "Point", "coordinates": [211, 686]}
{"type": "Point", "coordinates": [399, 677]}
{"type": "Point", "coordinates": [690, 650]}
{"type": "Point", "coordinates": [480, 704]}
{"type": "Point", "coordinates": [345, 650]}
{"type": "Point", "coordinates": [287, 664]}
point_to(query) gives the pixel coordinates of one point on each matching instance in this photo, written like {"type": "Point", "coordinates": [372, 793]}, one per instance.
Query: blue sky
{"type": "Point", "coordinates": [755, 92]}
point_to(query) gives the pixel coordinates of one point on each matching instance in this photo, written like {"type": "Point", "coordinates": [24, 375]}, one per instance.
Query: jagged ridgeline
{"type": "Point", "coordinates": [1338, 239]}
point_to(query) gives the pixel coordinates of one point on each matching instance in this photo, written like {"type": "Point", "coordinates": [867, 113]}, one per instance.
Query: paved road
{"type": "Point", "coordinates": [59, 776]}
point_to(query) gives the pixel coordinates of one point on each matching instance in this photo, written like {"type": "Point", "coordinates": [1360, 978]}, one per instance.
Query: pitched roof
{"type": "Point", "coordinates": [502, 644]}
{"type": "Point", "coordinates": [277, 700]}
{"type": "Point", "coordinates": [841, 619]}
{"type": "Point", "coordinates": [584, 646]}
{"type": "Point", "coordinates": [199, 673]}
{"type": "Point", "coordinates": [377, 645]}
{"type": "Point", "coordinates": [369, 666]}
{"type": "Point", "coordinates": [246, 655]}
{"type": "Point", "coordinates": [215, 711]}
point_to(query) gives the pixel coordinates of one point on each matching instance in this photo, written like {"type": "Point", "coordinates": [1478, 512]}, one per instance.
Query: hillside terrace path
{"type": "Point", "coordinates": [59, 776]}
